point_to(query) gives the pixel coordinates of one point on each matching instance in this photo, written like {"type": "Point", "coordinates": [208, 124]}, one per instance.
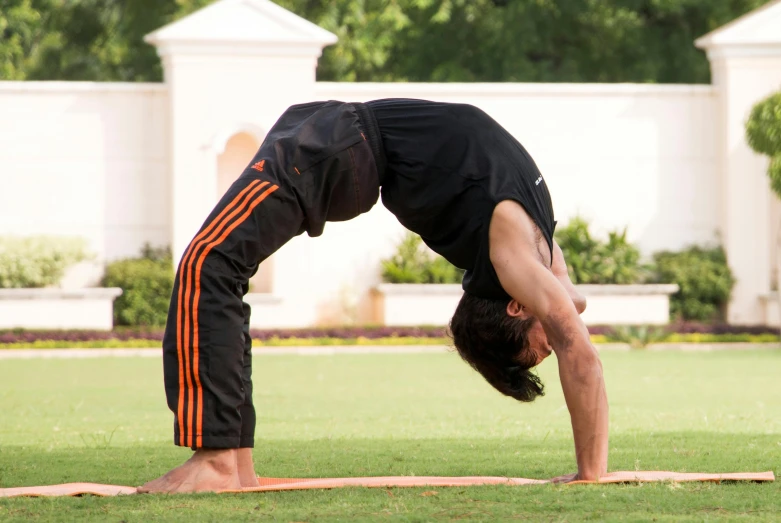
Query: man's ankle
{"type": "Point", "coordinates": [216, 454]}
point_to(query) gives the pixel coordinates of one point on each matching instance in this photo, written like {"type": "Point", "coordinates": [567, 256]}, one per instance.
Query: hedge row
{"type": "Point", "coordinates": [139, 338]}
{"type": "Point", "coordinates": [372, 333]}
{"type": "Point", "coordinates": [326, 342]}
{"type": "Point", "coordinates": [124, 334]}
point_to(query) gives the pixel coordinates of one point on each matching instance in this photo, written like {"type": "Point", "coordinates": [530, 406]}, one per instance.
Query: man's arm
{"type": "Point", "coordinates": [533, 285]}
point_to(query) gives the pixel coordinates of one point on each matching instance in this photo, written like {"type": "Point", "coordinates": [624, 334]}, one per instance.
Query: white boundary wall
{"type": "Point", "coordinates": [86, 159]}
{"type": "Point", "coordinates": [620, 155]}
{"type": "Point", "coordinates": [91, 160]}
{"type": "Point", "coordinates": [127, 164]}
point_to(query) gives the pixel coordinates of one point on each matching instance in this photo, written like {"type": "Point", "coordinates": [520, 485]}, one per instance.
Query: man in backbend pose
{"type": "Point", "coordinates": [449, 173]}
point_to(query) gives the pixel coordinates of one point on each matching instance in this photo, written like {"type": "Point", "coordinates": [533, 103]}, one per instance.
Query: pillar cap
{"type": "Point", "coordinates": [241, 27]}
{"type": "Point", "coordinates": [757, 33]}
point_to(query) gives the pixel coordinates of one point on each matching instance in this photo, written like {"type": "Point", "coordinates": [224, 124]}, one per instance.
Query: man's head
{"type": "Point", "coordinates": [501, 341]}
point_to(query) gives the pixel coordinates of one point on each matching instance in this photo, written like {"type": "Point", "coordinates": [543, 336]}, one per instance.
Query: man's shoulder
{"type": "Point", "coordinates": [513, 230]}
{"type": "Point", "coordinates": [512, 214]}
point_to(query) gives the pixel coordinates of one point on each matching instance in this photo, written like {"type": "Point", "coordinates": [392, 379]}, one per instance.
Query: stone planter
{"type": "Point", "coordinates": [407, 304]}
{"type": "Point", "coordinates": [91, 308]}
{"type": "Point", "coordinates": [627, 304]}
{"type": "Point", "coordinates": [412, 304]}
{"type": "Point", "coordinates": [267, 312]}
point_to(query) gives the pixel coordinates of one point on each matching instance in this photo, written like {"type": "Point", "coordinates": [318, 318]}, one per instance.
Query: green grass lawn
{"type": "Point", "coordinates": [105, 421]}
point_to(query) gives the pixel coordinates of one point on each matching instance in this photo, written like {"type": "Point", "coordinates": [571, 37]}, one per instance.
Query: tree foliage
{"type": "Point", "coordinates": [392, 40]}
{"type": "Point", "coordinates": [763, 130]}
{"type": "Point", "coordinates": [525, 40]}
{"type": "Point", "coordinates": [84, 39]}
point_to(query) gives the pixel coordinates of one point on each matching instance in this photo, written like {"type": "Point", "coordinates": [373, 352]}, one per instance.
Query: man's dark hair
{"type": "Point", "coordinates": [496, 345]}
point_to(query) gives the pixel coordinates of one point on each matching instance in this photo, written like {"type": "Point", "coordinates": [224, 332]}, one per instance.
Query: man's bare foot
{"type": "Point", "coordinates": [247, 476]}
{"type": "Point", "coordinates": [208, 470]}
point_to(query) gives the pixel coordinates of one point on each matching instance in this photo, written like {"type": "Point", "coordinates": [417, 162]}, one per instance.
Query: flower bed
{"type": "Point", "coordinates": [149, 338]}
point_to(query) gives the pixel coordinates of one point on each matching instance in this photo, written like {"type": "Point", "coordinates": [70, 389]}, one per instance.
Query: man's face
{"type": "Point", "coordinates": [538, 340]}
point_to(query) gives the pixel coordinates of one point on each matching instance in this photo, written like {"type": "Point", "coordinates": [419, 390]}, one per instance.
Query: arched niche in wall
{"type": "Point", "coordinates": [235, 152]}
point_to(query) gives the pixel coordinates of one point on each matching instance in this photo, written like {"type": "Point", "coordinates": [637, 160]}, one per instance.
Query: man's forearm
{"type": "Point", "coordinates": [584, 391]}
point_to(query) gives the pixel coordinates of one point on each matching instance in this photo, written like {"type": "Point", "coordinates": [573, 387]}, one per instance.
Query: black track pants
{"type": "Point", "coordinates": [317, 164]}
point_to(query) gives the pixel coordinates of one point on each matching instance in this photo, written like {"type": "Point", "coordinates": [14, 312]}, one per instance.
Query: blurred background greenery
{"type": "Point", "coordinates": [392, 40]}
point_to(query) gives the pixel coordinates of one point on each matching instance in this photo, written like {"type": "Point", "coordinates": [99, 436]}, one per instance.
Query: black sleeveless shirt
{"type": "Point", "coordinates": [448, 166]}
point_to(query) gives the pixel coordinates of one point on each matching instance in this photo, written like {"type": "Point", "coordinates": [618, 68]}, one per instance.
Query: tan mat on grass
{"type": "Point", "coordinates": [275, 484]}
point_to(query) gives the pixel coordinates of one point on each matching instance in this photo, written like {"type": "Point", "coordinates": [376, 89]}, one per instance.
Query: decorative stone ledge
{"type": "Point", "coordinates": [407, 289]}
{"type": "Point", "coordinates": [269, 311]}
{"type": "Point", "coordinates": [434, 304]}
{"type": "Point", "coordinates": [627, 304]}
{"type": "Point", "coordinates": [91, 308]}
{"type": "Point", "coordinates": [261, 298]}
{"type": "Point", "coordinates": [409, 305]}
{"type": "Point", "coordinates": [628, 290]}
{"type": "Point", "coordinates": [97, 293]}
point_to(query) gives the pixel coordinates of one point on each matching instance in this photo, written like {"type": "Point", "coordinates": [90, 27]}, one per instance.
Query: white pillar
{"type": "Point", "coordinates": [232, 65]}
{"type": "Point", "coordinates": [745, 60]}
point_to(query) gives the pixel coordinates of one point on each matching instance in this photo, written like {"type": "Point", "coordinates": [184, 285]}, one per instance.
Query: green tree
{"type": "Point", "coordinates": [23, 25]}
{"type": "Point", "coordinates": [392, 40]}
{"type": "Point", "coordinates": [763, 130]}
{"type": "Point", "coordinates": [562, 40]}
{"type": "Point", "coordinates": [84, 39]}
{"type": "Point", "coordinates": [367, 30]}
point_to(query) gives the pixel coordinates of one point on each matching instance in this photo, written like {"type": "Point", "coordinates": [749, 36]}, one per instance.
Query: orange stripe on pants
{"type": "Point", "coordinates": [201, 259]}
{"type": "Point", "coordinates": [183, 309]}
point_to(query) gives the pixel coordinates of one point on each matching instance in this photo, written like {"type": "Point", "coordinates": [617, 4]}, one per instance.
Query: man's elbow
{"type": "Point", "coordinates": [580, 303]}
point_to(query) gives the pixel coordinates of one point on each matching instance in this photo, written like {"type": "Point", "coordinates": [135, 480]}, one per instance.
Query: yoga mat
{"type": "Point", "coordinates": [67, 489]}
{"type": "Point", "coordinates": [276, 484]}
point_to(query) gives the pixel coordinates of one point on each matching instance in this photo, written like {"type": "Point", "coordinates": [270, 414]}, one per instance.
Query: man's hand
{"type": "Point", "coordinates": [516, 259]}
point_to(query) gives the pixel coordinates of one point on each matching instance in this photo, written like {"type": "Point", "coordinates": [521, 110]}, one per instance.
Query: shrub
{"type": "Point", "coordinates": [413, 263]}
{"type": "Point", "coordinates": [763, 130]}
{"type": "Point", "coordinates": [147, 283]}
{"type": "Point", "coordinates": [682, 327]}
{"type": "Point", "coordinates": [592, 261]}
{"type": "Point", "coordinates": [38, 261]}
{"type": "Point", "coordinates": [704, 278]}
{"type": "Point", "coordinates": [719, 328]}
{"type": "Point", "coordinates": [637, 336]}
